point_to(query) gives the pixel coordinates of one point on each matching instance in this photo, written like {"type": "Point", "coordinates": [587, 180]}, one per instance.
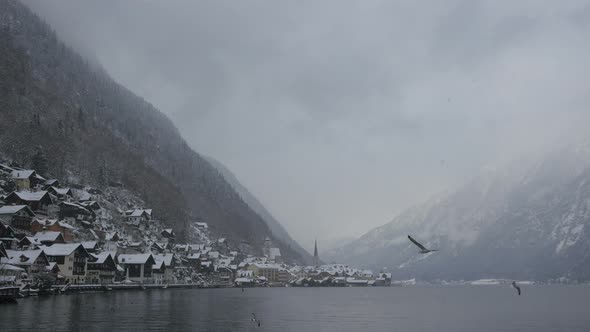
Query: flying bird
{"type": "Point", "coordinates": [255, 320]}
{"type": "Point", "coordinates": [515, 286]}
{"type": "Point", "coordinates": [423, 249]}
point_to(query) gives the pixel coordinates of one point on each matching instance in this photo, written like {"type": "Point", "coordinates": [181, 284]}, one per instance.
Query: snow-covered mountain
{"type": "Point", "coordinates": [528, 220]}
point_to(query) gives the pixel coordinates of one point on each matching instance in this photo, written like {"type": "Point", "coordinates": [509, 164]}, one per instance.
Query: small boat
{"type": "Point", "coordinates": [165, 286]}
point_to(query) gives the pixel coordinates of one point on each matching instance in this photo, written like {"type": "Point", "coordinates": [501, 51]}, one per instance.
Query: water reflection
{"type": "Point", "coordinates": [342, 309]}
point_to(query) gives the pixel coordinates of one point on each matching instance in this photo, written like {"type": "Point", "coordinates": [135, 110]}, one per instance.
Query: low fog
{"type": "Point", "coordinates": [339, 114]}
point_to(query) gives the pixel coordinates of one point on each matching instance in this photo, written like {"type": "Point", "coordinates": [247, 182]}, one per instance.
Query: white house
{"type": "Point", "coordinates": [138, 267]}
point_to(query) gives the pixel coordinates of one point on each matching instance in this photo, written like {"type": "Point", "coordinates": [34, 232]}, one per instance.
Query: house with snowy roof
{"type": "Point", "coordinates": [48, 237]}
{"type": "Point", "coordinates": [67, 230]}
{"type": "Point", "coordinates": [17, 216]}
{"type": "Point", "coordinates": [71, 259]}
{"type": "Point", "coordinates": [10, 274]}
{"type": "Point", "coordinates": [90, 246]}
{"type": "Point", "coordinates": [26, 179]}
{"type": "Point", "coordinates": [164, 267]}
{"type": "Point", "coordinates": [138, 267]}
{"type": "Point", "coordinates": [50, 183]}
{"type": "Point", "coordinates": [101, 268]}
{"type": "Point", "coordinates": [75, 211]}
{"type": "Point", "coordinates": [7, 236]}
{"type": "Point", "coordinates": [60, 193]}
{"type": "Point", "coordinates": [90, 205]}
{"type": "Point", "coordinates": [168, 233]}
{"type": "Point", "coordinates": [139, 217]}
{"type": "Point", "coordinates": [32, 261]}
{"type": "Point", "coordinates": [38, 201]}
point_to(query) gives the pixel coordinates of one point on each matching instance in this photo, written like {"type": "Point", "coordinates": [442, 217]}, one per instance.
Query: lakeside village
{"type": "Point", "coordinates": [56, 239]}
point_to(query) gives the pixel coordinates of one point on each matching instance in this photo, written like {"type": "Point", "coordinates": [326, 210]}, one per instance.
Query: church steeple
{"type": "Point", "coordinates": [316, 258]}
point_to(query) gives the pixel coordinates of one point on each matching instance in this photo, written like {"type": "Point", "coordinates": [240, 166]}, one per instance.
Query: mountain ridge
{"type": "Point", "coordinates": [524, 221]}
{"type": "Point", "coordinates": [52, 100]}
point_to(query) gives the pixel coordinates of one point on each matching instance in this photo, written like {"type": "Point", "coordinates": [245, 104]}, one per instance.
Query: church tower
{"type": "Point", "coordinates": [316, 258]}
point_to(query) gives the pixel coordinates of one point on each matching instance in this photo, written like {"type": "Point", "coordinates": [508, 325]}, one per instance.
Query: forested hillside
{"type": "Point", "coordinates": [54, 103]}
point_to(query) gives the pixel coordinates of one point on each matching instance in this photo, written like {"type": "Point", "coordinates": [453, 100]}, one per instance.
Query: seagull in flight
{"type": "Point", "coordinates": [515, 286]}
{"type": "Point", "coordinates": [254, 319]}
{"type": "Point", "coordinates": [423, 249]}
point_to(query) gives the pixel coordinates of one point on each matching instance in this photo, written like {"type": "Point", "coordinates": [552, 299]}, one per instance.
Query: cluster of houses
{"type": "Point", "coordinates": [66, 235]}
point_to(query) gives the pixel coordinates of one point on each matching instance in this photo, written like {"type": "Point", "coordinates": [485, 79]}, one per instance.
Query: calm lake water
{"type": "Point", "coordinates": [419, 308]}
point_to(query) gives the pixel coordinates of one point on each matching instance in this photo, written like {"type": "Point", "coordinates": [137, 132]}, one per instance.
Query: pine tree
{"type": "Point", "coordinates": [39, 162]}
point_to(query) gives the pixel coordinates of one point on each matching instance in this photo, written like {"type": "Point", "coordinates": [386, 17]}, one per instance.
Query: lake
{"type": "Point", "coordinates": [414, 308]}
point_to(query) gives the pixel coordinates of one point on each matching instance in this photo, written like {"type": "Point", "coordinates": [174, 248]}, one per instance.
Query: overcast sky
{"type": "Point", "coordinates": [338, 114]}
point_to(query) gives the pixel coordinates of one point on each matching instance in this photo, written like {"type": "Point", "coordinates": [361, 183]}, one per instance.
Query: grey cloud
{"type": "Point", "coordinates": [337, 114]}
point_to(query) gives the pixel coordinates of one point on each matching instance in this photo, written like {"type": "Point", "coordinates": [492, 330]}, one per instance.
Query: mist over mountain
{"type": "Point", "coordinates": [90, 127]}
{"type": "Point", "coordinates": [276, 228]}
{"type": "Point", "coordinates": [526, 220]}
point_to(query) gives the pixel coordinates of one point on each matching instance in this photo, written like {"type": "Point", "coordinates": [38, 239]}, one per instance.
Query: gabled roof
{"type": "Point", "coordinates": [138, 213]}
{"type": "Point", "coordinates": [30, 196]}
{"type": "Point", "coordinates": [90, 245]}
{"type": "Point", "coordinates": [51, 222]}
{"type": "Point", "coordinates": [52, 267]}
{"type": "Point", "coordinates": [22, 174]}
{"type": "Point", "coordinates": [63, 249]}
{"type": "Point", "coordinates": [51, 182]}
{"type": "Point", "coordinates": [76, 206]}
{"type": "Point", "coordinates": [9, 267]}
{"type": "Point", "coordinates": [136, 259]}
{"type": "Point", "coordinates": [158, 265]}
{"type": "Point", "coordinates": [30, 239]}
{"type": "Point", "coordinates": [12, 209]}
{"type": "Point", "coordinates": [61, 191]}
{"type": "Point", "coordinates": [48, 236]}
{"type": "Point", "coordinates": [14, 257]}
{"type": "Point", "coordinates": [167, 259]}
{"type": "Point", "coordinates": [102, 257]}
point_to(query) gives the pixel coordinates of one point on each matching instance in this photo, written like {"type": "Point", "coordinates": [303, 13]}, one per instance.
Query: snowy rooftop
{"type": "Point", "coordinates": [138, 212]}
{"type": "Point", "coordinates": [61, 249]}
{"type": "Point", "coordinates": [167, 259]}
{"type": "Point", "coordinates": [50, 222]}
{"type": "Point", "coordinates": [11, 209]}
{"type": "Point", "coordinates": [102, 257]}
{"type": "Point", "coordinates": [61, 191]}
{"type": "Point", "coordinates": [135, 258]}
{"type": "Point", "coordinates": [22, 174]}
{"type": "Point", "coordinates": [9, 267]}
{"type": "Point", "coordinates": [89, 245]}
{"type": "Point", "coordinates": [51, 266]}
{"type": "Point", "coordinates": [14, 257]}
{"type": "Point", "coordinates": [47, 236]}
{"type": "Point", "coordinates": [30, 196]}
